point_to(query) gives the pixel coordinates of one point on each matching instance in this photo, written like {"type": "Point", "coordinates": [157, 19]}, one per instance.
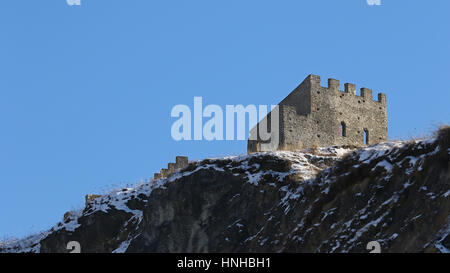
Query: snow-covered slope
{"type": "Point", "coordinates": [335, 199]}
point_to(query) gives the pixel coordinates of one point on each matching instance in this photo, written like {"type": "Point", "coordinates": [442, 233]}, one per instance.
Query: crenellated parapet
{"type": "Point", "coordinates": [349, 88]}
{"type": "Point", "coordinates": [180, 163]}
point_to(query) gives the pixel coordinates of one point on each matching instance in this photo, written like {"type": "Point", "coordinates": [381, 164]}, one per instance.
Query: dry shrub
{"type": "Point", "coordinates": [315, 148]}
{"type": "Point", "coordinates": [287, 147]}
{"type": "Point", "coordinates": [441, 158]}
{"type": "Point", "coordinates": [443, 136]}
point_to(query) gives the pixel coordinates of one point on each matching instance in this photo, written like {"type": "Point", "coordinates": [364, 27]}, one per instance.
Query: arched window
{"type": "Point", "coordinates": [343, 129]}
{"type": "Point", "coordinates": [366, 137]}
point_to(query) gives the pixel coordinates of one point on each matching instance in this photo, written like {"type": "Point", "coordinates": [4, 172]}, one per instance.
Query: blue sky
{"type": "Point", "coordinates": [86, 91]}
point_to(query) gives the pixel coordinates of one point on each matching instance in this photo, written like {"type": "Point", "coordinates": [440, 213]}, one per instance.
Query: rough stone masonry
{"type": "Point", "coordinates": [313, 115]}
{"type": "Point", "coordinates": [180, 163]}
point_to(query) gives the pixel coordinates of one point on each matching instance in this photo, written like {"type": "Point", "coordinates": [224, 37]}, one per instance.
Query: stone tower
{"type": "Point", "coordinates": [313, 115]}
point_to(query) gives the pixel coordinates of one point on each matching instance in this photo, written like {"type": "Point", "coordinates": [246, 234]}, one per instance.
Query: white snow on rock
{"type": "Point", "coordinates": [384, 164]}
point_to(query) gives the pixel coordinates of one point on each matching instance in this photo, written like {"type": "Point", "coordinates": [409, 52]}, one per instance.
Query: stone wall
{"type": "Point", "coordinates": [89, 197]}
{"type": "Point", "coordinates": [180, 163]}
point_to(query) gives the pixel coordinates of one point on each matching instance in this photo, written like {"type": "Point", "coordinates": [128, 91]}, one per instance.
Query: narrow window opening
{"type": "Point", "coordinates": [366, 137]}
{"type": "Point", "coordinates": [343, 129]}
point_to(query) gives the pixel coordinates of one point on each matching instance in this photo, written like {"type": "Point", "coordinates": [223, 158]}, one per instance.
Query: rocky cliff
{"type": "Point", "coordinates": [334, 199]}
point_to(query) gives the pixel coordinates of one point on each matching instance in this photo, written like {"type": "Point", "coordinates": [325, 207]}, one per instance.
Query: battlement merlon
{"type": "Point", "coordinates": [164, 172]}
{"type": "Point", "coordinates": [171, 167]}
{"type": "Point", "coordinates": [366, 93]}
{"type": "Point", "coordinates": [157, 176]}
{"type": "Point", "coordinates": [181, 161]}
{"type": "Point", "coordinates": [333, 85]}
{"type": "Point", "coordinates": [350, 88]}
{"type": "Point", "coordinates": [382, 98]}
{"type": "Point", "coordinates": [312, 80]}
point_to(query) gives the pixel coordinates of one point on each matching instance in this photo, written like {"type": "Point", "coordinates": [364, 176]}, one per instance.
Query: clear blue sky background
{"type": "Point", "coordinates": [86, 91]}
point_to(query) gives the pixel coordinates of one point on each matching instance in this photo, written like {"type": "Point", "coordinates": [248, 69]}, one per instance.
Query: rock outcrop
{"type": "Point", "coordinates": [335, 199]}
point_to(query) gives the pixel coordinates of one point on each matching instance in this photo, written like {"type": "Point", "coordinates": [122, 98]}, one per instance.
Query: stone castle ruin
{"type": "Point", "coordinates": [317, 116]}
{"type": "Point", "coordinates": [313, 116]}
